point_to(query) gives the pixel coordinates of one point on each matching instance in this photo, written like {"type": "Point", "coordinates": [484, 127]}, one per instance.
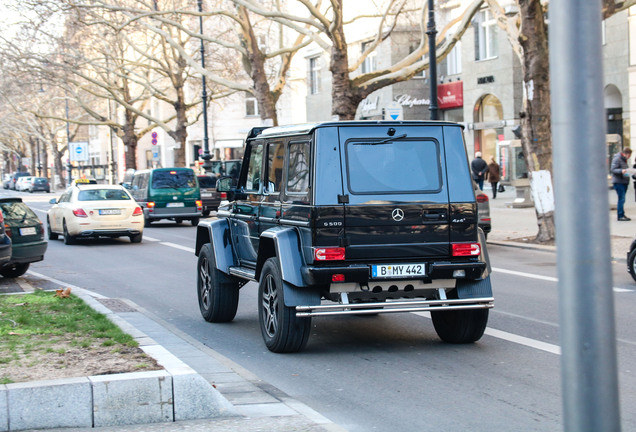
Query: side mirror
{"type": "Point", "coordinates": [53, 201]}
{"type": "Point", "coordinates": [125, 185]}
{"type": "Point", "coordinates": [224, 185]}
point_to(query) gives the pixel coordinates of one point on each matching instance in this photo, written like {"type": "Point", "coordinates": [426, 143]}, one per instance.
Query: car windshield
{"type": "Point", "coordinates": [173, 179]}
{"type": "Point", "coordinates": [401, 166]}
{"type": "Point", "coordinates": [103, 195]}
{"type": "Point", "coordinates": [207, 181]}
{"type": "Point", "coordinates": [17, 211]}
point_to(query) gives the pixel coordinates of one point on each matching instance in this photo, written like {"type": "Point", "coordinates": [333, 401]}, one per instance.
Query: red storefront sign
{"type": "Point", "coordinates": [450, 95]}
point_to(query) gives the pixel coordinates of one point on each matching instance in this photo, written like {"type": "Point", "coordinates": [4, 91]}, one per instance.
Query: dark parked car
{"type": "Point", "coordinates": [348, 218]}
{"type": "Point", "coordinates": [27, 236]}
{"type": "Point", "coordinates": [230, 168]}
{"type": "Point", "coordinates": [631, 260]}
{"type": "Point", "coordinates": [209, 196]}
{"type": "Point", "coordinates": [15, 176]}
{"type": "Point", "coordinates": [483, 210]}
{"type": "Point", "coordinates": [5, 243]}
{"type": "Point", "coordinates": [38, 184]}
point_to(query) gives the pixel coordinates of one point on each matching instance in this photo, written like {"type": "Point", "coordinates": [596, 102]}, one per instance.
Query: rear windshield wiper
{"type": "Point", "coordinates": [384, 141]}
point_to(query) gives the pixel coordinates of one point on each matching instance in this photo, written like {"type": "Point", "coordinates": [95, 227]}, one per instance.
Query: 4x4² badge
{"type": "Point", "coordinates": [397, 214]}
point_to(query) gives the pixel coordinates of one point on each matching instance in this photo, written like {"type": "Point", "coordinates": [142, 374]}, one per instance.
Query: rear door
{"type": "Point", "coordinates": [398, 200]}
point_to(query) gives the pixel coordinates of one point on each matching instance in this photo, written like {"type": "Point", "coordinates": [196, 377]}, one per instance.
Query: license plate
{"type": "Point", "coordinates": [109, 211]}
{"type": "Point", "coordinates": [27, 231]}
{"type": "Point", "coordinates": [179, 204]}
{"type": "Point", "coordinates": [398, 271]}
{"type": "Point", "coordinates": [206, 195]}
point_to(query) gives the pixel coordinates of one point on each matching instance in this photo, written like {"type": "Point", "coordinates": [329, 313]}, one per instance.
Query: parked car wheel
{"type": "Point", "coordinates": [14, 270]}
{"type": "Point", "coordinates": [460, 326]}
{"type": "Point", "coordinates": [282, 330]}
{"type": "Point", "coordinates": [68, 239]}
{"type": "Point", "coordinates": [52, 235]}
{"type": "Point", "coordinates": [194, 221]}
{"type": "Point", "coordinates": [147, 222]}
{"type": "Point", "coordinates": [136, 238]}
{"type": "Point", "coordinates": [631, 263]}
{"type": "Point", "coordinates": [218, 293]}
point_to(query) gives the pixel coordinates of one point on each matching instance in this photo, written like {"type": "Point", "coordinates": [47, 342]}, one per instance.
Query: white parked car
{"type": "Point", "coordinates": [22, 183]}
{"type": "Point", "coordinates": [87, 209]}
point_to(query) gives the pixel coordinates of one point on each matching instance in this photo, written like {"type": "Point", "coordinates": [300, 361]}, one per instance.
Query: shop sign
{"type": "Point", "coordinates": [369, 104]}
{"type": "Point", "coordinates": [450, 95]}
{"type": "Point", "coordinates": [409, 101]}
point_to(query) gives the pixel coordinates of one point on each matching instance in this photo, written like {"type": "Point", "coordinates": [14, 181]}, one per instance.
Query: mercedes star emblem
{"type": "Point", "coordinates": [397, 214]}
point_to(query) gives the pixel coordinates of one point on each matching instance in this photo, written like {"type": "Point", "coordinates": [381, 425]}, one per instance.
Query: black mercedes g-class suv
{"type": "Point", "coordinates": [348, 218]}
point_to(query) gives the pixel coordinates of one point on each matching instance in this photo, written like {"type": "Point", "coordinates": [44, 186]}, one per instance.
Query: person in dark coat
{"type": "Point", "coordinates": [479, 167]}
{"type": "Point", "coordinates": [493, 175]}
{"type": "Point", "coordinates": [620, 180]}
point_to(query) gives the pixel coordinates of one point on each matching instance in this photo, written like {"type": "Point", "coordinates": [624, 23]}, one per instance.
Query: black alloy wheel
{"type": "Point", "coordinates": [218, 292]}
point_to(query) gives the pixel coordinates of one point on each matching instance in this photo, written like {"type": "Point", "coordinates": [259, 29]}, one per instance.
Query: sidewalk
{"type": "Point", "coordinates": [512, 225]}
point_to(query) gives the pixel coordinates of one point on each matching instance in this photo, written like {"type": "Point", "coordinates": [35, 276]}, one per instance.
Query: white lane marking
{"type": "Point", "coordinates": [152, 239]}
{"type": "Point", "coordinates": [546, 278]}
{"type": "Point", "coordinates": [511, 337]}
{"type": "Point", "coordinates": [176, 246]}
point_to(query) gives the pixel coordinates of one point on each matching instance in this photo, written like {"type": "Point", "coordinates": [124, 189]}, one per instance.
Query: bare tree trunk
{"type": "Point", "coordinates": [180, 133]}
{"type": "Point", "coordinates": [129, 139]}
{"type": "Point", "coordinates": [536, 138]}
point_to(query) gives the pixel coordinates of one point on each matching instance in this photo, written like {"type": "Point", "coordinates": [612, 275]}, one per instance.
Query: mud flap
{"type": "Point", "coordinates": [467, 289]}
{"type": "Point", "coordinates": [295, 296]}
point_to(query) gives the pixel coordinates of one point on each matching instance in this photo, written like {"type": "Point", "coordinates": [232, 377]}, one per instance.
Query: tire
{"type": "Point", "coordinates": [68, 239]}
{"type": "Point", "coordinates": [136, 238]}
{"type": "Point", "coordinates": [147, 222]}
{"type": "Point", "coordinates": [460, 326]}
{"type": "Point", "coordinates": [14, 270]}
{"type": "Point", "coordinates": [194, 221]}
{"type": "Point", "coordinates": [52, 235]}
{"type": "Point", "coordinates": [206, 213]}
{"type": "Point", "coordinates": [218, 292]}
{"type": "Point", "coordinates": [282, 330]}
{"type": "Point", "coordinates": [631, 263]}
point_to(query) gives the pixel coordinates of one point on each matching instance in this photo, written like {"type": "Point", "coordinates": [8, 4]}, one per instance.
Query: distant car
{"type": "Point", "coordinates": [5, 243]}
{"type": "Point", "coordinates": [27, 237]}
{"type": "Point", "coordinates": [22, 182]}
{"type": "Point", "coordinates": [209, 196]}
{"type": "Point", "coordinates": [15, 176]}
{"type": "Point", "coordinates": [483, 210]}
{"type": "Point", "coordinates": [35, 184]}
{"type": "Point", "coordinates": [230, 168]}
{"type": "Point", "coordinates": [88, 210]}
{"type": "Point", "coordinates": [631, 260]}
{"type": "Point", "coordinates": [6, 180]}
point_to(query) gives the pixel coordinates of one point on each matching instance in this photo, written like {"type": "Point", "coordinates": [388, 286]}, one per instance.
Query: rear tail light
{"type": "Point", "coordinates": [223, 195]}
{"type": "Point", "coordinates": [481, 198]}
{"type": "Point", "coordinates": [138, 211]}
{"type": "Point", "coordinates": [466, 249]}
{"type": "Point", "coordinates": [199, 204]}
{"type": "Point", "coordinates": [151, 206]}
{"type": "Point", "coordinates": [79, 213]}
{"type": "Point", "coordinates": [1, 218]}
{"type": "Point", "coordinates": [7, 230]}
{"type": "Point", "coordinates": [329, 254]}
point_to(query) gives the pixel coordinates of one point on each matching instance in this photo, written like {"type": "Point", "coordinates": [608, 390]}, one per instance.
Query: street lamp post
{"type": "Point", "coordinates": [432, 60]}
{"type": "Point", "coordinates": [207, 165]}
{"type": "Point", "coordinates": [68, 143]}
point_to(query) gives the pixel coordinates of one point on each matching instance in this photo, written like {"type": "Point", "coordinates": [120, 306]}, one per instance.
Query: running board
{"type": "Point", "coordinates": [243, 272]}
{"type": "Point", "coordinates": [395, 306]}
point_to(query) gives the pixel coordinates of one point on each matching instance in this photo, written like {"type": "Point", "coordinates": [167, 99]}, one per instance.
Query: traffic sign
{"type": "Point", "coordinates": [394, 111]}
{"type": "Point", "coordinates": [78, 151]}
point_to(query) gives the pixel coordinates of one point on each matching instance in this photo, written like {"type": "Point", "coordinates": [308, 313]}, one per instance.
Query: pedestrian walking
{"type": "Point", "coordinates": [479, 167]}
{"type": "Point", "coordinates": [620, 180]}
{"type": "Point", "coordinates": [493, 175]}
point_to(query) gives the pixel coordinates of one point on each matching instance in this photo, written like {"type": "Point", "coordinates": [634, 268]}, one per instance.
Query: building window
{"type": "Point", "coordinates": [485, 36]}
{"type": "Point", "coordinates": [454, 60]}
{"type": "Point", "coordinates": [314, 75]}
{"type": "Point", "coordinates": [370, 62]}
{"type": "Point", "coordinates": [251, 107]}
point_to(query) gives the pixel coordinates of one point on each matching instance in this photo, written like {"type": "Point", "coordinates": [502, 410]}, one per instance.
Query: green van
{"type": "Point", "coordinates": [167, 193]}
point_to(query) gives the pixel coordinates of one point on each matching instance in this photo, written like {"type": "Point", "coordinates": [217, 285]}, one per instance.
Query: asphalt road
{"type": "Point", "coordinates": [383, 373]}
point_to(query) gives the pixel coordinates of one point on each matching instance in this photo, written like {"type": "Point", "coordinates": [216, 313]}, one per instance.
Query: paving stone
{"type": "Point", "coordinates": [50, 404]}
{"type": "Point", "coordinates": [140, 397]}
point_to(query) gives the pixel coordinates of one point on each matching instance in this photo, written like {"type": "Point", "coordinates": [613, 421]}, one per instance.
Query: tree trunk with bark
{"type": "Point", "coordinates": [129, 138]}
{"type": "Point", "coordinates": [180, 133]}
{"type": "Point", "coordinates": [536, 138]}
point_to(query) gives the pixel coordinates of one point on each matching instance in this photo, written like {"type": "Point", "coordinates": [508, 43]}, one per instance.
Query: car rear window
{"type": "Point", "coordinates": [207, 181]}
{"type": "Point", "coordinates": [40, 180]}
{"type": "Point", "coordinates": [173, 179]}
{"type": "Point", "coordinates": [395, 166]}
{"type": "Point", "coordinates": [103, 195]}
{"type": "Point", "coordinates": [17, 211]}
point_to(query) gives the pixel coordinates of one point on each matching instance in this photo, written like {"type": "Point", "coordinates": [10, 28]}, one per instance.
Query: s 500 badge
{"type": "Point", "coordinates": [332, 224]}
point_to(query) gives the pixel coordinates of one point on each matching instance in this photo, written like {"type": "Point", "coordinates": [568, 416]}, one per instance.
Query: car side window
{"type": "Point", "coordinates": [253, 181]}
{"type": "Point", "coordinates": [298, 168]}
{"type": "Point", "coordinates": [275, 163]}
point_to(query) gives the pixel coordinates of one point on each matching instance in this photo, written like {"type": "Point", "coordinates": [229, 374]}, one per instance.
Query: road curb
{"type": "Point", "coordinates": [175, 393]}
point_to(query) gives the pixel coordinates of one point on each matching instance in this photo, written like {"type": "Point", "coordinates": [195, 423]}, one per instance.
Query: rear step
{"type": "Point", "coordinates": [394, 306]}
